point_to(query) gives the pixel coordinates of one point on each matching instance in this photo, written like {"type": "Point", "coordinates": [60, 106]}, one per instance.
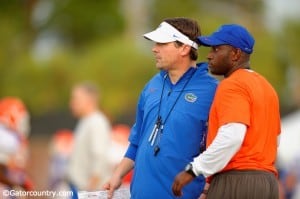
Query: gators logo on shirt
{"type": "Point", "coordinates": [190, 97]}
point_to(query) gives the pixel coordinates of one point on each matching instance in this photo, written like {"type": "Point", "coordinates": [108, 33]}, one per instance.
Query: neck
{"type": "Point", "coordinates": [176, 73]}
{"type": "Point", "coordinates": [244, 65]}
{"type": "Point", "coordinates": [89, 111]}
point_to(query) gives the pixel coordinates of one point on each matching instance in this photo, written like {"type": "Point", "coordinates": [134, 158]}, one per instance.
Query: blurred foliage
{"type": "Point", "coordinates": [92, 43]}
{"type": "Point", "coordinates": [201, 8]}
{"type": "Point", "coordinates": [289, 42]}
{"type": "Point", "coordinates": [288, 46]}
{"type": "Point", "coordinates": [45, 86]}
{"type": "Point", "coordinates": [82, 21]}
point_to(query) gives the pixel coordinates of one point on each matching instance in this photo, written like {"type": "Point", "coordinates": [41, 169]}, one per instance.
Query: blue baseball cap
{"type": "Point", "coordinates": [230, 34]}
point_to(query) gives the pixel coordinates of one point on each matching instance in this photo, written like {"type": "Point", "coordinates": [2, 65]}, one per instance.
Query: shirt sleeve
{"type": "Point", "coordinates": [225, 145]}
{"type": "Point", "coordinates": [131, 152]}
{"type": "Point", "coordinates": [135, 133]}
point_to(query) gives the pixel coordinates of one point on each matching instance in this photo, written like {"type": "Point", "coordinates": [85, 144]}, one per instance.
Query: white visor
{"type": "Point", "coordinates": [166, 33]}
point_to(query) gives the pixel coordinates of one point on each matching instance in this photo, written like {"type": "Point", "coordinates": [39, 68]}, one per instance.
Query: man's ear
{"type": "Point", "coordinates": [236, 54]}
{"type": "Point", "coordinates": [185, 50]}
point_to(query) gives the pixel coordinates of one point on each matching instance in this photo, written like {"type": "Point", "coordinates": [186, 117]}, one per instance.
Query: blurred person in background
{"type": "Point", "coordinates": [171, 116]}
{"type": "Point", "coordinates": [61, 147]}
{"type": "Point", "coordinates": [119, 145]}
{"type": "Point", "coordinates": [89, 164]}
{"type": "Point", "coordinates": [294, 172]}
{"type": "Point", "coordinates": [14, 131]}
{"type": "Point", "coordinates": [244, 124]}
{"type": "Point", "coordinates": [290, 178]}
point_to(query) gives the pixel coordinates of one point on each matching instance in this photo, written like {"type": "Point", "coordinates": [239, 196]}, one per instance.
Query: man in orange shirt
{"type": "Point", "coordinates": [244, 125]}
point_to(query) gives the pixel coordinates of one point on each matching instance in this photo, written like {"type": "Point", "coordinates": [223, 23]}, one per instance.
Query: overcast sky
{"type": "Point", "coordinates": [278, 10]}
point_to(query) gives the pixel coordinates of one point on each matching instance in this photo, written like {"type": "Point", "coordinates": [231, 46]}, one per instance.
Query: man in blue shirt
{"type": "Point", "coordinates": [171, 116]}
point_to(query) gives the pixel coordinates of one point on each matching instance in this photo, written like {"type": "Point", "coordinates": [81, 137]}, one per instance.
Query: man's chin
{"type": "Point", "coordinates": [215, 72]}
{"type": "Point", "coordinates": [159, 67]}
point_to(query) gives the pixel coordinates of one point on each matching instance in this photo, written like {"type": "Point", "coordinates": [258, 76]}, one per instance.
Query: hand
{"type": "Point", "coordinates": [113, 184]}
{"type": "Point", "coordinates": [202, 196]}
{"type": "Point", "coordinates": [180, 181]}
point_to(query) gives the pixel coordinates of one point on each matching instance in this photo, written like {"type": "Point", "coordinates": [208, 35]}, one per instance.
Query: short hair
{"type": "Point", "coordinates": [189, 28]}
{"type": "Point", "coordinates": [89, 88]}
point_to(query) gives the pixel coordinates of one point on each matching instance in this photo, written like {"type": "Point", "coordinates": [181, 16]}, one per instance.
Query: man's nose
{"type": "Point", "coordinates": [154, 48]}
{"type": "Point", "coordinates": [209, 55]}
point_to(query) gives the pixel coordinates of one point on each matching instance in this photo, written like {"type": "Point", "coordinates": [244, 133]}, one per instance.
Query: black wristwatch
{"type": "Point", "coordinates": [189, 170]}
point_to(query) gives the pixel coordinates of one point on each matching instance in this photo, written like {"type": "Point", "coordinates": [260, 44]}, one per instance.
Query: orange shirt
{"type": "Point", "coordinates": [247, 97]}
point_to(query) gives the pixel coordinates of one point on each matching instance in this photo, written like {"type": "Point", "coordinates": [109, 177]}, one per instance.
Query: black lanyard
{"type": "Point", "coordinates": [159, 124]}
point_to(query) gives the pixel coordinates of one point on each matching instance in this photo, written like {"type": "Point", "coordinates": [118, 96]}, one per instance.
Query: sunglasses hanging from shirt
{"type": "Point", "coordinates": [157, 131]}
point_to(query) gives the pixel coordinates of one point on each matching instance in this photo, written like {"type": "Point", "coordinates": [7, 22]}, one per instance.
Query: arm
{"type": "Point", "coordinates": [127, 163]}
{"type": "Point", "coordinates": [227, 142]}
{"type": "Point", "coordinates": [205, 191]}
{"type": "Point", "coordinates": [115, 182]}
{"type": "Point", "coordinates": [122, 169]}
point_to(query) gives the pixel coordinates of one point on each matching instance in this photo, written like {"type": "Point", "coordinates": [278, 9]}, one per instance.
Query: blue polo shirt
{"type": "Point", "coordinates": [182, 135]}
